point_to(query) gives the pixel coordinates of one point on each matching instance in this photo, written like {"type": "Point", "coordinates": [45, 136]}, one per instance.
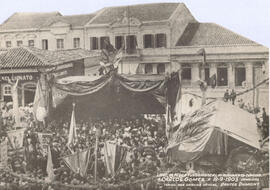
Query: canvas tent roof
{"type": "Point", "coordinates": [206, 129]}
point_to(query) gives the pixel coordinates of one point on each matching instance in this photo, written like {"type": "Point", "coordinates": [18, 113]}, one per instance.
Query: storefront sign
{"type": "Point", "coordinates": [21, 77]}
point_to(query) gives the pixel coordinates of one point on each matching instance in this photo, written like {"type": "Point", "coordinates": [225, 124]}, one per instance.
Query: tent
{"type": "Point", "coordinates": [206, 131]}
{"type": "Point", "coordinates": [115, 94]}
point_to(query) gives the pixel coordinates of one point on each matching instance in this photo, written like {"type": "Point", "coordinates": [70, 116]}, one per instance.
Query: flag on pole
{"type": "Point", "coordinates": [39, 108]}
{"type": "Point", "coordinates": [78, 162]}
{"type": "Point", "coordinates": [72, 136]}
{"type": "Point", "coordinates": [49, 168]}
{"type": "Point", "coordinates": [173, 108]}
{"type": "Point", "coordinates": [202, 53]}
{"type": "Point", "coordinates": [16, 114]}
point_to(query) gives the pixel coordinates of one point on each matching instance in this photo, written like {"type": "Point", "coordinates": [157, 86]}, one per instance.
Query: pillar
{"type": "Point", "coordinates": [195, 73]}
{"type": "Point", "coordinates": [175, 66]}
{"type": "Point", "coordinates": [231, 75]}
{"type": "Point", "coordinates": [249, 74]}
{"type": "Point", "coordinates": [213, 69]}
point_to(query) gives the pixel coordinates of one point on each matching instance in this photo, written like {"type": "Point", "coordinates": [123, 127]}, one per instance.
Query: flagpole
{"type": "Point", "coordinates": [96, 151]}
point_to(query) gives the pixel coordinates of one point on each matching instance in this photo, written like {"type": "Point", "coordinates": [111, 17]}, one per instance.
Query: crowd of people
{"type": "Point", "coordinates": [144, 139]}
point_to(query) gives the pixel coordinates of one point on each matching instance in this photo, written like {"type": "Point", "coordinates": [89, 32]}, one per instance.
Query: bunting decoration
{"type": "Point", "coordinates": [78, 162]}
{"type": "Point", "coordinates": [39, 108]}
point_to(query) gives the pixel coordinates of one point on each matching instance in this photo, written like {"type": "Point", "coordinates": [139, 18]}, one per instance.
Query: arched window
{"type": "Point", "coordinates": [161, 68]}
{"type": "Point", "coordinates": [7, 94]}
{"type": "Point", "coordinates": [148, 69]}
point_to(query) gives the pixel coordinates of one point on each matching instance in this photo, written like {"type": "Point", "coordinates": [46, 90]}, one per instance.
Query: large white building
{"type": "Point", "coordinates": [158, 38]}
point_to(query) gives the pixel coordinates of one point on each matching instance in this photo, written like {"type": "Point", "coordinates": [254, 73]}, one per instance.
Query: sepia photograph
{"type": "Point", "coordinates": [134, 95]}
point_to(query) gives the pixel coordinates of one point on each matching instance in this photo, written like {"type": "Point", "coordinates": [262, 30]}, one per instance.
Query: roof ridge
{"type": "Point", "coordinates": [78, 15]}
{"type": "Point", "coordinates": [29, 49]}
{"type": "Point", "coordinates": [143, 4]}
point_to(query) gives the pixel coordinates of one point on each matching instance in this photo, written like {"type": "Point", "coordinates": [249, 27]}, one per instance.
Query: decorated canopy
{"type": "Point", "coordinates": [115, 94]}
{"type": "Point", "coordinates": [206, 131]}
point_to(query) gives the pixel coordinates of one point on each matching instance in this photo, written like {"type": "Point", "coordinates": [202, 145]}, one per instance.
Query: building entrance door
{"type": "Point", "coordinates": [29, 93]}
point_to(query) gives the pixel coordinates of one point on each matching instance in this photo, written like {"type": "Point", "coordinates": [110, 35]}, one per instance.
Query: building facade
{"type": "Point", "coordinates": [27, 65]}
{"type": "Point", "coordinates": [157, 38]}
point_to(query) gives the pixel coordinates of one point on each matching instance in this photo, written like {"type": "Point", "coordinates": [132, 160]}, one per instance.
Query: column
{"type": "Point", "coordinates": [195, 73]}
{"type": "Point", "coordinates": [175, 66]}
{"type": "Point", "coordinates": [212, 69]}
{"type": "Point", "coordinates": [154, 68]}
{"type": "Point", "coordinates": [231, 75]}
{"type": "Point", "coordinates": [249, 74]}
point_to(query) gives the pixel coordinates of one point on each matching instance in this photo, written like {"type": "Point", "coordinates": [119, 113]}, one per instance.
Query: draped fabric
{"type": "Point", "coordinates": [79, 88]}
{"type": "Point", "coordinates": [116, 93]}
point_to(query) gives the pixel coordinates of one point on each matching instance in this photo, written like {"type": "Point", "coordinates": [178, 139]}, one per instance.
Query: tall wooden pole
{"type": "Point", "coordinates": [96, 151]}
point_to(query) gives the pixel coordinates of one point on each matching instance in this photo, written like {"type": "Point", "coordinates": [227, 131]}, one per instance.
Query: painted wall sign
{"type": "Point", "coordinates": [21, 77]}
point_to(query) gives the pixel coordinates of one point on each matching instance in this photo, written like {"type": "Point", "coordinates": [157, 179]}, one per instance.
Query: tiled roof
{"type": "Point", "coordinates": [73, 20]}
{"type": "Point", "coordinates": [210, 34]}
{"type": "Point", "coordinates": [27, 20]}
{"type": "Point", "coordinates": [26, 57]}
{"type": "Point", "coordinates": [143, 12]}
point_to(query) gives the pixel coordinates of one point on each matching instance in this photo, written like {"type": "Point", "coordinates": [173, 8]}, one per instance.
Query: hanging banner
{"type": "Point", "coordinates": [44, 139]}
{"type": "Point", "coordinates": [78, 162]}
{"type": "Point", "coordinates": [16, 138]}
{"type": "Point", "coordinates": [3, 154]}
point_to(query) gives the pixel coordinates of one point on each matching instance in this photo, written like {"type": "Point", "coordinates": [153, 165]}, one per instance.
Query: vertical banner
{"type": "Point", "coordinates": [3, 154]}
{"type": "Point", "coordinates": [16, 138]}
{"type": "Point", "coordinates": [44, 139]}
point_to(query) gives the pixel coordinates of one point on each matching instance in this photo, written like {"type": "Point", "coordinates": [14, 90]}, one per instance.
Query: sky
{"type": "Point", "coordinates": [250, 18]}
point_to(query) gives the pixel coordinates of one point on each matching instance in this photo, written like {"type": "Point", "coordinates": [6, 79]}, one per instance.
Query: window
{"type": "Point", "coordinates": [186, 72]}
{"type": "Point", "coordinates": [31, 43]}
{"type": "Point", "coordinates": [60, 44]}
{"type": "Point", "coordinates": [161, 68]}
{"type": "Point", "coordinates": [148, 69]}
{"type": "Point", "coordinates": [19, 43]}
{"type": "Point", "coordinates": [222, 76]}
{"type": "Point", "coordinates": [93, 43]}
{"type": "Point", "coordinates": [8, 44]}
{"type": "Point", "coordinates": [119, 42]}
{"type": "Point", "coordinates": [104, 41]}
{"type": "Point", "coordinates": [131, 42]}
{"type": "Point", "coordinates": [240, 75]}
{"type": "Point", "coordinates": [45, 44]}
{"type": "Point", "coordinates": [76, 42]}
{"type": "Point", "coordinates": [160, 40]}
{"type": "Point", "coordinates": [7, 90]}
{"type": "Point", "coordinates": [148, 41]}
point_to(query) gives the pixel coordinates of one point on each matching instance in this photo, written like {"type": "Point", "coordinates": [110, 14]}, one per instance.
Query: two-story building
{"type": "Point", "coordinates": [157, 38]}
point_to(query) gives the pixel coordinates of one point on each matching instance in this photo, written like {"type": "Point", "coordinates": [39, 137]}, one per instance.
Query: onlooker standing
{"type": "Point", "coordinates": [226, 96]}
{"type": "Point", "coordinates": [233, 96]}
